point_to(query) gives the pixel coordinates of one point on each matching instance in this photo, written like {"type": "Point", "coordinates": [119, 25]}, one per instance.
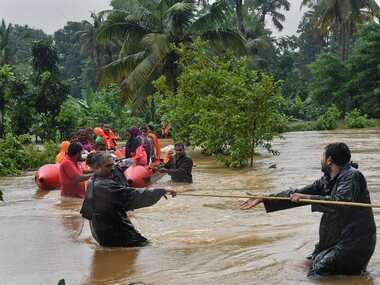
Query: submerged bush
{"type": "Point", "coordinates": [355, 119]}
{"type": "Point", "coordinates": [17, 154]}
{"type": "Point", "coordinates": [328, 120]}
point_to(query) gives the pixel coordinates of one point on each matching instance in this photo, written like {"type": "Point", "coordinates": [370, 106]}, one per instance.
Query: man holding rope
{"type": "Point", "coordinates": [347, 235]}
{"type": "Point", "coordinates": [107, 201]}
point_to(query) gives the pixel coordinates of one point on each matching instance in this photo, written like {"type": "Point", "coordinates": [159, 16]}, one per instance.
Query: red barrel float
{"type": "Point", "coordinates": [138, 176]}
{"type": "Point", "coordinates": [47, 177]}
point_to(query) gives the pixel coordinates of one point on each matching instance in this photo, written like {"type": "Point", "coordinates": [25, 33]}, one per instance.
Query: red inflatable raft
{"type": "Point", "coordinates": [140, 176]}
{"type": "Point", "coordinates": [47, 177]}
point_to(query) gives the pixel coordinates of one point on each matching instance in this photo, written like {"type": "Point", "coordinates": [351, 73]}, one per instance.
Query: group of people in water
{"type": "Point", "coordinates": [142, 148]}
{"type": "Point", "coordinates": [347, 234]}
{"type": "Point", "coordinates": [142, 144]}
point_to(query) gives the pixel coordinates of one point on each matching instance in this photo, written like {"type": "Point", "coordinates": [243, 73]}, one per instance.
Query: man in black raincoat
{"type": "Point", "coordinates": [107, 201]}
{"type": "Point", "coordinates": [347, 235]}
{"type": "Point", "coordinates": [180, 166]}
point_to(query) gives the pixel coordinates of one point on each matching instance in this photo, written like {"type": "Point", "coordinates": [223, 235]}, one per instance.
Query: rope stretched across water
{"type": "Point", "coordinates": [309, 201]}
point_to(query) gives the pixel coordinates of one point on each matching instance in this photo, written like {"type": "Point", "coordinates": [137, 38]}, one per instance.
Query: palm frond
{"type": "Point", "coordinates": [227, 39]}
{"type": "Point", "coordinates": [120, 68]}
{"type": "Point", "coordinates": [143, 9]}
{"type": "Point", "coordinates": [277, 22]}
{"type": "Point", "coordinates": [258, 43]}
{"type": "Point", "coordinates": [119, 30]}
{"type": "Point", "coordinates": [219, 12]}
{"type": "Point", "coordinates": [131, 44]}
{"type": "Point", "coordinates": [309, 3]}
{"type": "Point", "coordinates": [159, 48]}
{"type": "Point", "coordinates": [179, 17]}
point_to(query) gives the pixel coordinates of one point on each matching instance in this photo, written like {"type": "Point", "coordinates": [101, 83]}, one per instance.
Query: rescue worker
{"type": "Point", "coordinates": [179, 167]}
{"type": "Point", "coordinates": [347, 235]}
{"type": "Point", "coordinates": [107, 202]}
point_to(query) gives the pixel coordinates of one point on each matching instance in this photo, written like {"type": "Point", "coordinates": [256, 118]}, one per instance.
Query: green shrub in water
{"type": "Point", "coordinates": [328, 120]}
{"type": "Point", "coordinates": [17, 154]}
{"type": "Point", "coordinates": [355, 119]}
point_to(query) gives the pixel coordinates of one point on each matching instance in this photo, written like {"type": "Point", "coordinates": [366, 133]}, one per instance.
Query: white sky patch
{"type": "Point", "coordinates": [52, 15]}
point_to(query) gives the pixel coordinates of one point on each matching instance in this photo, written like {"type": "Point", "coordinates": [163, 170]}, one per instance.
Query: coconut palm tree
{"type": "Point", "coordinates": [4, 41]}
{"type": "Point", "coordinates": [100, 53]}
{"type": "Point", "coordinates": [149, 30]}
{"type": "Point", "coordinates": [342, 18]}
{"type": "Point", "coordinates": [270, 8]}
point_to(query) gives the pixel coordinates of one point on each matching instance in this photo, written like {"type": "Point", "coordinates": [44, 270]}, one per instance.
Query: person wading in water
{"type": "Point", "coordinates": [179, 167]}
{"type": "Point", "coordinates": [107, 201]}
{"type": "Point", "coordinates": [347, 235]}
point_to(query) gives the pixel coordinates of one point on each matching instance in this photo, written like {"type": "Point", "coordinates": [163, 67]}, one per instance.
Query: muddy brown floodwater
{"type": "Point", "coordinates": [193, 240]}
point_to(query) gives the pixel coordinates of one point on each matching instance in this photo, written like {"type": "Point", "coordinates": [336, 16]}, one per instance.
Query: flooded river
{"type": "Point", "coordinates": [194, 240]}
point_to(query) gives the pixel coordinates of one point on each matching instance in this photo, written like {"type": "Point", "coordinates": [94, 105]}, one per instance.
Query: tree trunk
{"type": "Point", "coordinates": [348, 39]}
{"type": "Point", "coordinates": [252, 151]}
{"type": "Point", "coordinates": [239, 16]}
{"type": "Point", "coordinates": [172, 70]}
{"type": "Point", "coordinates": [345, 37]}
{"type": "Point", "coordinates": [253, 141]}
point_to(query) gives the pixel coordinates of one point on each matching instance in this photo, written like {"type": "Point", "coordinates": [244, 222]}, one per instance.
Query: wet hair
{"type": "Point", "coordinates": [144, 128]}
{"type": "Point", "coordinates": [179, 145]}
{"type": "Point", "coordinates": [74, 148]}
{"type": "Point", "coordinates": [354, 164]}
{"type": "Point", "coordinates": [90, 159]}
{"type": "Point", "coordinates": [100, 157]}
{"type": "Point", "coordinates": [151, 127]}
{"type": "Point", "coordinates": [339, 153]}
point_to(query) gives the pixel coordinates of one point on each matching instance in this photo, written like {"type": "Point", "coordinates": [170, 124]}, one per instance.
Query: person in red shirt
{"type": "Point", "coordinates": [71, 174]}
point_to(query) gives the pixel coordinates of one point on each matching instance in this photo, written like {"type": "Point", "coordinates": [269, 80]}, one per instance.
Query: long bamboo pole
{"type": "Point", "coordinates": [310, 201]}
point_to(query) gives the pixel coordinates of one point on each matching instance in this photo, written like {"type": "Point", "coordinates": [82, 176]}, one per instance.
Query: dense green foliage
{"type": "Point", "coordinates": [96, 108]}
{"type": "Point", "coordinates": [49, 92]}
{"type": "Point", "coordinates": [67, 42]}
{"type": "Point", "coordinates": [354, 84]}
{"type": "Point", "coordinates": [221, 105]}
{"type": "Point", "coordinates": [325, 88]}
{"type": "Point", "coordinates": [20, 45]}
{"type": "Point", "coordinates": [17, 154]}
{"type": "Point", "coordinates": [7, 78]}
{"type": "Point", "coordinates": [364, 80]}
{"type": "Point", "coordinates": [329, 119]}
{"type": "Point", "coordinates": [357, 120]}
{"type": "Point", "coordinates": [149, 31]}
{"type": "Point", "coordinates": [101, 71]}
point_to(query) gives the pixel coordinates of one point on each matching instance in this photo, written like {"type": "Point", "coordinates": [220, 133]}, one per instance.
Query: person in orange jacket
{"type": "Point", "coordinates": [62, 152]}
{"type": "Point", "coordinates": [100, 134]}
{"type": "Point", "coordinates": [155, 141]}
{"type": "Point", "coordinates": [110, 137]}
